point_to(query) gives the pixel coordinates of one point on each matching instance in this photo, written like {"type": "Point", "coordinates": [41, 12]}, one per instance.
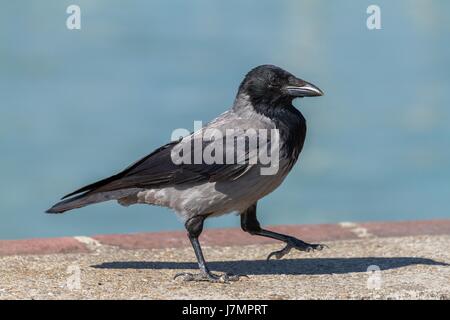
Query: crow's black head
{"type": "Point", "coordinates": [270, 84]}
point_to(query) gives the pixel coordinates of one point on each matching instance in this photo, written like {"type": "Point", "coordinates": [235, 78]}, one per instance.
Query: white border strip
{"type": "Point", "coordinates": [356, 229]}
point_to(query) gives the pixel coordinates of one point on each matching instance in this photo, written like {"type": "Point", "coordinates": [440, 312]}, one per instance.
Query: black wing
{"type": "Point", "coordinates": [157, 170]}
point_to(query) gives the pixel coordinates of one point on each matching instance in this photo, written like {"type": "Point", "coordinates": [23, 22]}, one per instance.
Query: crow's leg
{"type": "Point", "coordinates": [250, 224]}
{"type": "Point", "coordinates": [194, 226]}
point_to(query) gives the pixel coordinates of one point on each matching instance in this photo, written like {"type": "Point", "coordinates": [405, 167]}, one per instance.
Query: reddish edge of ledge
{"type": "Point", "coordinates": [41, 246]}
{"type": "Point", "coordinates": [223, 237]}
{"type": "Point", "coordinates": [227, 237]}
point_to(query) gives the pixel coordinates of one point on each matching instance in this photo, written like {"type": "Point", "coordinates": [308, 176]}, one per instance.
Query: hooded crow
{"type": "Point", "coordinates": [205, 175]}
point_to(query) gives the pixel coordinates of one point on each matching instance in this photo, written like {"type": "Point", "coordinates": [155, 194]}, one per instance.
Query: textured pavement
{"type": "Point", "coordinates": [411, 267]}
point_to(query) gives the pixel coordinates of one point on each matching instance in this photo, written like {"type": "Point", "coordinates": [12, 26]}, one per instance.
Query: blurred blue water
{"type": "Point", "coordinates": [77, 106]}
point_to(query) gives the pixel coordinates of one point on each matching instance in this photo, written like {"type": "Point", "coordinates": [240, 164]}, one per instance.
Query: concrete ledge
{"type": "Point", "coordinates": [224, 237]}
{"type": "Point", "coordinates": [382, 260]}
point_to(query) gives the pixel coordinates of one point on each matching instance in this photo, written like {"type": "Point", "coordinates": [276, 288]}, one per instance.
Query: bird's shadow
{"type": "Point", "coordinates": [308, 266]}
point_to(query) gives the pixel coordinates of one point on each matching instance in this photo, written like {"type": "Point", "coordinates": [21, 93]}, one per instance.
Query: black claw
{"type": "Point", "coordinates": [234, 277]}
{"type": "Point", "coordinates": [187, 276]}
{"type": "Point", "coordinates": [209, 277]}
{"type": "Point", "coordinates": [296, 244]}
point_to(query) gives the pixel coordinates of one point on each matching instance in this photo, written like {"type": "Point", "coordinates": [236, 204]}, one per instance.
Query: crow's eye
{"type": "Point", "coordinates": [274, 82]}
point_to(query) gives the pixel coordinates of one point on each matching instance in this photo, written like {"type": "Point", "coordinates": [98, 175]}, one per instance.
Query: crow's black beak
{"type": "Point", "coordinates": [303, 89]}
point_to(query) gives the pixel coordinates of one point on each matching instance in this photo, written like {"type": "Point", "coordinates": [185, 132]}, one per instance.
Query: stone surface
{"type": "Point", "coordinates": [413, 267]}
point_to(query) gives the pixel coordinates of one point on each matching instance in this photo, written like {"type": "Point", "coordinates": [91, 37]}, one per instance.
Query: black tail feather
{"type": "Point", "coordinates": [88, 198]}
{"type": "Point", "coordinates": [69, 204]}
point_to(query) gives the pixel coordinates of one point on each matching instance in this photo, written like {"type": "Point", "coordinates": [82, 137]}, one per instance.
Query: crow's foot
{"type": "Point", "coordinates": [209, 277]}
{"type": "Point", "coordinates": [296, 244]}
